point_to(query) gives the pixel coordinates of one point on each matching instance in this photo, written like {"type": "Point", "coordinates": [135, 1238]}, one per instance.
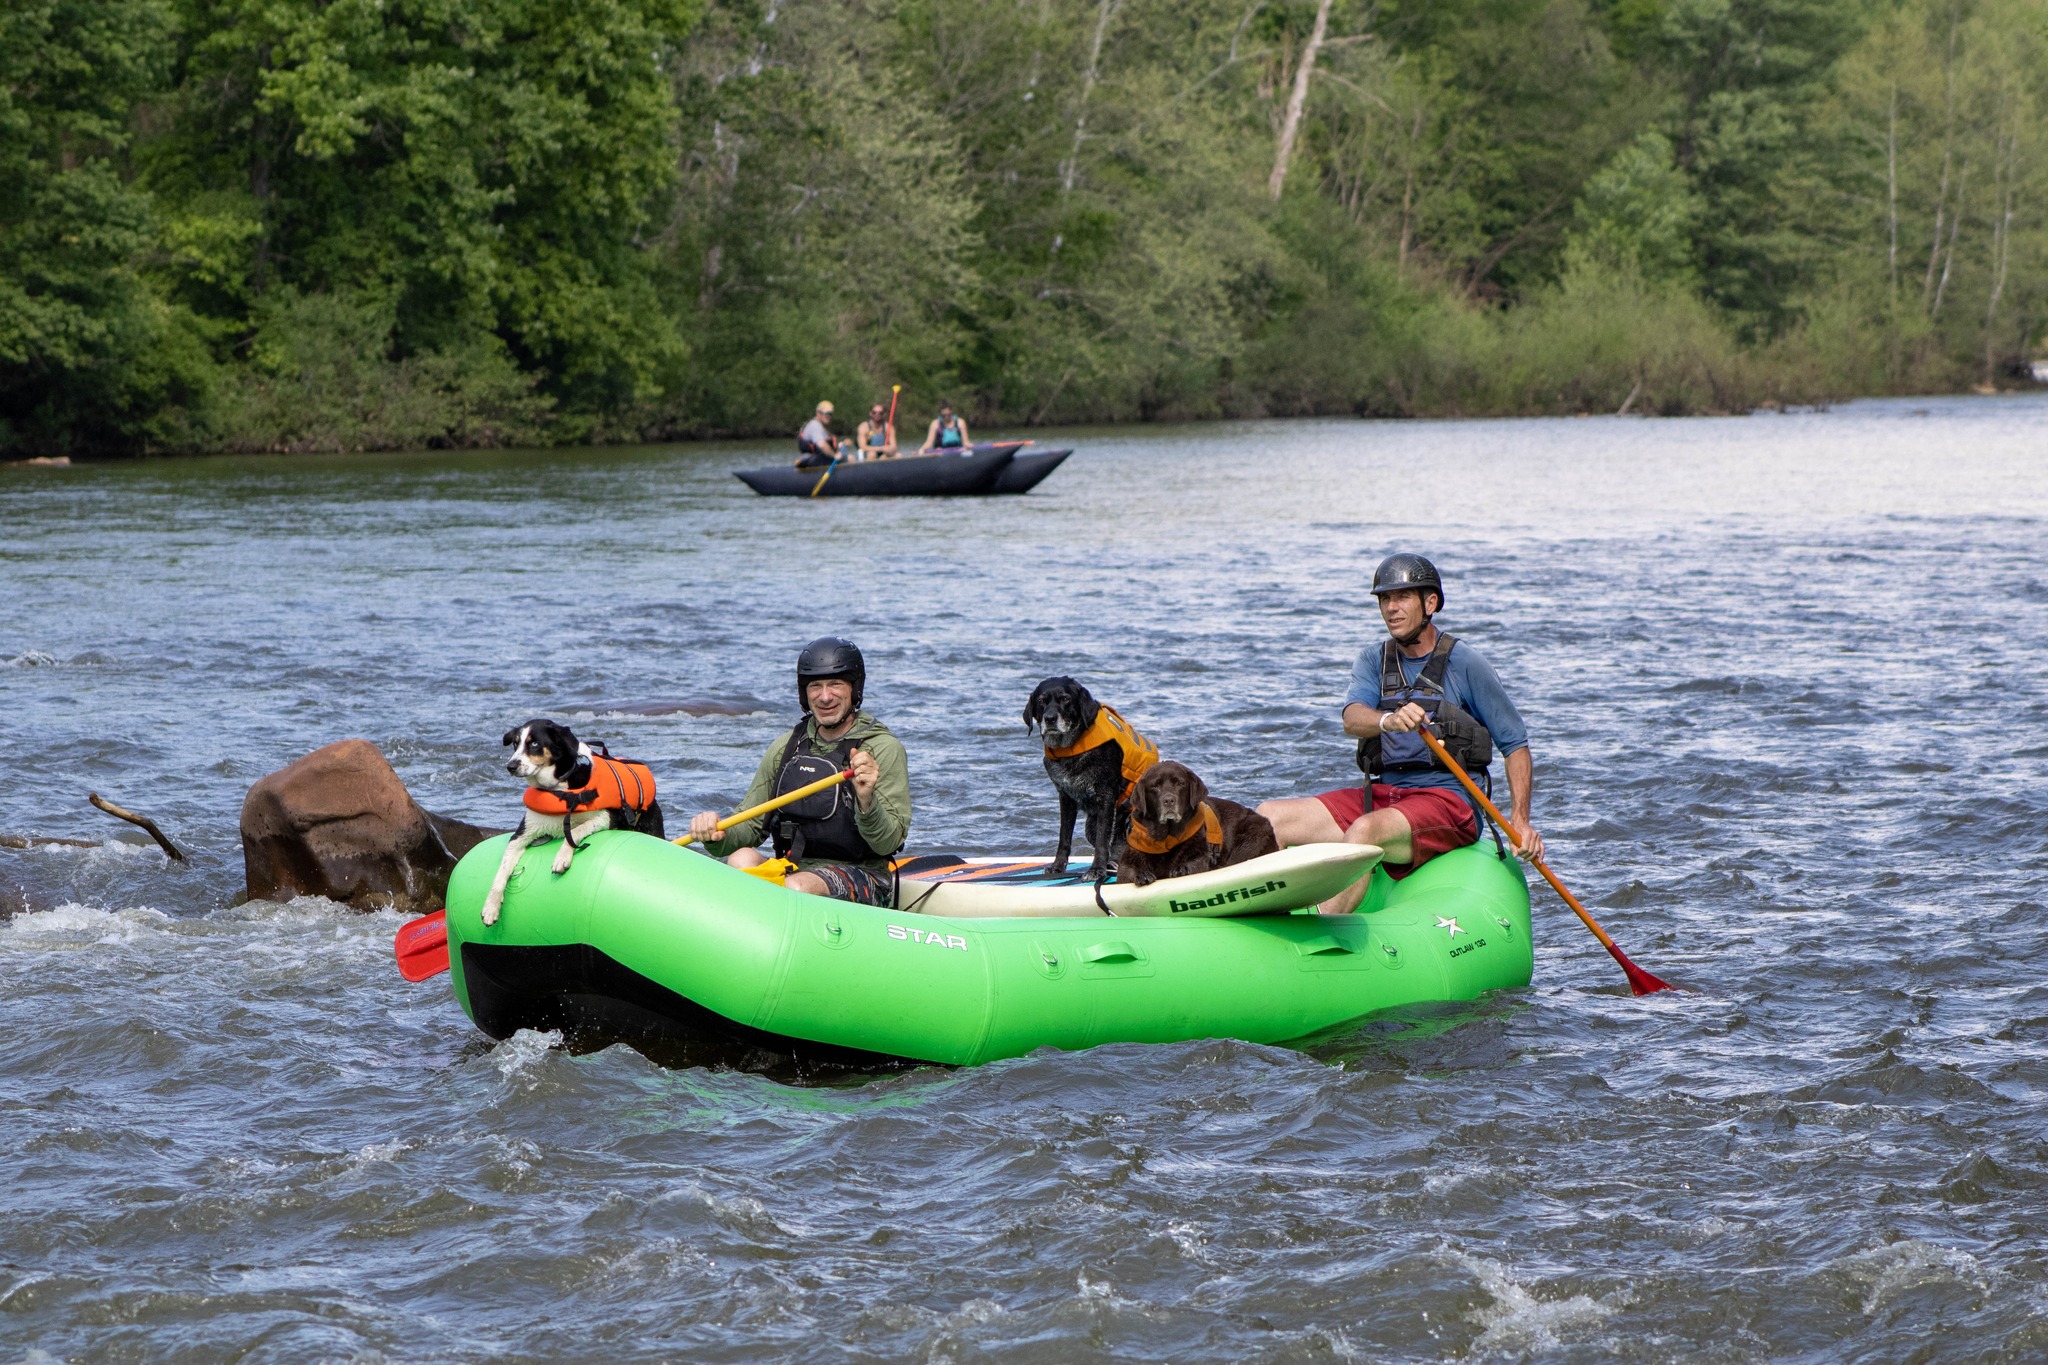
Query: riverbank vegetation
{"type": "Point", "coordinates": [345, 224]}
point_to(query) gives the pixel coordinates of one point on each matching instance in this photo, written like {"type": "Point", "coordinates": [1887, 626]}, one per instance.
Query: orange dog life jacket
{"type": "Point", "coordinates": [1210, 827]}
{"type": "Point", "coordinates": [615, 784]}
{"type": "Point", "coordinates": [1139, 753]}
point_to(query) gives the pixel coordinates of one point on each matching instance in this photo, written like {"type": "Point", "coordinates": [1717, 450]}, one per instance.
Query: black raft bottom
{"type": "Point", "coordinates": [595, 1001]}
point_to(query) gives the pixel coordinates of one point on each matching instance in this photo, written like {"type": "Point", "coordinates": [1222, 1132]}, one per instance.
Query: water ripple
{"type": "Point", "coordinates": [1784, 684]}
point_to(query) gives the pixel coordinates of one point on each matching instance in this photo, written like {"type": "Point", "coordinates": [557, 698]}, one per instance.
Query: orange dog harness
{"type": "Point", "coordinates": [615, 784]}
{"type": "Point", "coordinates": [1210, 827]}
{"type": "Point", "coordinates": [1139, 753]}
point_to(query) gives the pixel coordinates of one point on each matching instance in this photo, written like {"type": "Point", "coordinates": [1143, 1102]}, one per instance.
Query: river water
{"type": "Point", "coordinates": [1785, 683]}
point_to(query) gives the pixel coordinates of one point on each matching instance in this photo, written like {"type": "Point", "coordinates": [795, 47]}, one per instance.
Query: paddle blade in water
{"type": "Point", "coordinates": [1639, 981]}
{"type": "Point", "coordinates": [422, 947]}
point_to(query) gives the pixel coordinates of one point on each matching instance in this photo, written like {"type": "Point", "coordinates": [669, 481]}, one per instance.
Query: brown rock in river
{"type": "Point", "coordinates": [338, 823]}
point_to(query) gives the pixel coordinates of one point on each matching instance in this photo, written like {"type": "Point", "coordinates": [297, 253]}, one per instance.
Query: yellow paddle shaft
{"type": "Point", "coordinates": [777, 804]}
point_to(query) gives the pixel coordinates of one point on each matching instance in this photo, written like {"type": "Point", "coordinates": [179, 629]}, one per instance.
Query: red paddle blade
{"type": "Point", "coordinates": [422, 947]}
{"type": "Point", "coordinates": [1639, 981]}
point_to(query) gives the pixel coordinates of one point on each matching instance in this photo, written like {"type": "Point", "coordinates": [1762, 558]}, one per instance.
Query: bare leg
{"type": "Point", "coordinates": [1302, 820]}
{"type": "Point", "coordinates": [1389, 829]}
{"type": "Point", "coordinates": [745, 857]}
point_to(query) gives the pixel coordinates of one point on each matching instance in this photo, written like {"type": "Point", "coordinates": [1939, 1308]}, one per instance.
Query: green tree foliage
{"type": "Point", "coordinates": [483, 173]}
{"type": "Point", "coordinates": [822, 238]}
{"type": "Point", "coordinates": [1942, 179]}
{"type": "Point", "coordinates": [331, 224]}
{"type": "Point", "coordinates": [88, 355]}
{"type": "Point", "coordinates": [1749, 76]}
{"type": "Point", "coordinates": [1637, 214]}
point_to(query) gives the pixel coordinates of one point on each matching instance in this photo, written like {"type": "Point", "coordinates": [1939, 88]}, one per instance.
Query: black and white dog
{"type": "Point", "coordinates": [571, 790]}
{"type": "Point", "coordinates": [1095, 780]}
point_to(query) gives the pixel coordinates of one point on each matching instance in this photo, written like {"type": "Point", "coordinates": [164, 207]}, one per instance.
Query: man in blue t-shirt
{"type": "Point", "coordinates": [1411, 806]}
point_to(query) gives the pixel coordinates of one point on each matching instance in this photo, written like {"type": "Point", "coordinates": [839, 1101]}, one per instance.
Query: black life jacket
{"type": "Point", "coordinates": [1461, 733]}
{"type": "Point", "coordinates": [821, 825]}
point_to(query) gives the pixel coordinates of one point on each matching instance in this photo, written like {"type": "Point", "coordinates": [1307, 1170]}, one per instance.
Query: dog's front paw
{"type": "Point", "coordinates": [490, 914]}
{"type": "Point", "coordinates": [563, 857]}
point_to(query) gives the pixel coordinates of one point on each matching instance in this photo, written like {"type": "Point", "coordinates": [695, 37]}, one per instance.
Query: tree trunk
{"type": "Point", "coordinates": [1071, 168]}
{"type": "Point", "coordinates": [2005, 167]}
{"type": "Point", "coordinates": [1302, 73]}
{"type": "Point", "coordinates": [1891, 211]}
{"type": "Point", "coordinates": [1929, 299]}
{"type": "Point", "coordinates": [1948, 258]}
{"type": "Point", "coordinates": [1407, 226]}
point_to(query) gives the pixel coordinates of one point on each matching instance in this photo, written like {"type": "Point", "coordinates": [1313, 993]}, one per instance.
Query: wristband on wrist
{"type": "Point", "coordinates": [1383, 720]}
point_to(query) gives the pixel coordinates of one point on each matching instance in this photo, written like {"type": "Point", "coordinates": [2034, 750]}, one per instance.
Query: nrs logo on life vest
{"type": "Point", "coordinates": [929, 940]}
{"type": "Point", "coordinates": [1230, 897]}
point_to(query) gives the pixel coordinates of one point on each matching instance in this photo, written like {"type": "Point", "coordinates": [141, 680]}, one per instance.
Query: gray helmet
{"type": "Point", "coordinates": [831, 657]}
{"type": "Point", "coordinates": [1398, 573]}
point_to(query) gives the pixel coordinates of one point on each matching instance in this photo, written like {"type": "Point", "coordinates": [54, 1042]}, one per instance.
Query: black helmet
{"type": "Point", "coordinates": [1398, 573]}
{"type": "Point", "coordinates": [830, 657]}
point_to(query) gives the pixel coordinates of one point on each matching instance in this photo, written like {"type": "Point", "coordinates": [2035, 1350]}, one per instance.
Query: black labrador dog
{"type": "Point", "coordinates": [1093, 757]}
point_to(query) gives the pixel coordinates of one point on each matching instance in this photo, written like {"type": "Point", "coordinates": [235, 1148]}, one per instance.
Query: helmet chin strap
{"type": "Point", "coordinates": [1416, 634]}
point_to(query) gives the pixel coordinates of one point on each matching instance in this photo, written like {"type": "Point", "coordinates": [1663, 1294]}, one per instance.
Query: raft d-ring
{"type": "Point", "coordinates": [829, 931]}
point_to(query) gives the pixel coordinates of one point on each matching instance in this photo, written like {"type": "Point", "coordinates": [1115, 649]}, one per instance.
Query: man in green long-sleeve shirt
{"type": "Point", "coordinates": [841, 840]}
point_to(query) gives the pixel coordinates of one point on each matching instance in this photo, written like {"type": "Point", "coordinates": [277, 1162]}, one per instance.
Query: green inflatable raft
{"type": "Point", "coordinates": [642, 941]}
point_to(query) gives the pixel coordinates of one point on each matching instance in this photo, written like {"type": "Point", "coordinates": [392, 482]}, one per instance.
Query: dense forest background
{"type": "Point", "coordinates": [343, 224]}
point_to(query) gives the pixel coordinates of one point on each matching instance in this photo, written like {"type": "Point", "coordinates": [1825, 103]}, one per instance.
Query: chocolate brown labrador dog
{"type": "Point", "coordinates": [1178, 829]}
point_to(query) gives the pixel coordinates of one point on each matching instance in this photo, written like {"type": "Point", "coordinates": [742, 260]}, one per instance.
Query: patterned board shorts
{"type": "Point", "coordinates": [845, 882]}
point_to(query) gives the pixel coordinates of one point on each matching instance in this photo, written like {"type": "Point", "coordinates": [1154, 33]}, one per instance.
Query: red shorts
{"type": "Point", "coordinates": [1438, 818]}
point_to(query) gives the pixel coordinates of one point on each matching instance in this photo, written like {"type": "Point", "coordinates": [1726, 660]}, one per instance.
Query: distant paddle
{"type": "Point", "coordinates": [826, 475]}
{"type": "Point", "coordinates": [422, 945]}
{"type": "Point", "coordinates": [1639, 981]}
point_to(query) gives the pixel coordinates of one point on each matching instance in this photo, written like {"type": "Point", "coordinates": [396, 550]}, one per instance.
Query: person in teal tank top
{"type": "Point", "coordinates": [948, 433]}
{"type": "Point", "coordinates": [876, 437]}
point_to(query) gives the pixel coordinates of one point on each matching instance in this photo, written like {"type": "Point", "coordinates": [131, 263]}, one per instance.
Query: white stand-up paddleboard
{"type": "Point", "coordinates": [1292, 879]}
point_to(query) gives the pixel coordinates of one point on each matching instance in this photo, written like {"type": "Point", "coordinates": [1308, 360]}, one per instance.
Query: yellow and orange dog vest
{"type": "Point", "coordinates": [1138, 753]}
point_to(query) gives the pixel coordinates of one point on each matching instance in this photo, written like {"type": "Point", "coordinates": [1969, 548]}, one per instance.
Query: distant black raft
{"type": "Point", "coordinates": [1007, 467]}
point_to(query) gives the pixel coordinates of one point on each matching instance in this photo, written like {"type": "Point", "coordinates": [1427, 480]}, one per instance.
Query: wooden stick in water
{"type": "Point", "coordinates": [132, 818]}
